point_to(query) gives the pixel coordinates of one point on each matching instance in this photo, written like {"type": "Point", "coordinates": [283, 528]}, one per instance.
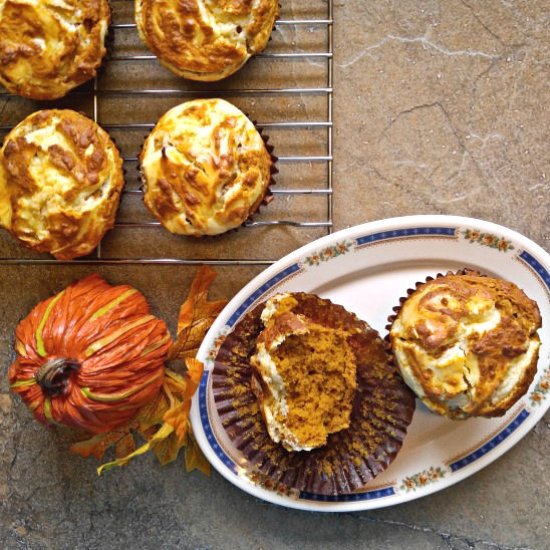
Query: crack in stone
{"type": "Point", "coordinates": [480, 21]}
{"type": "Point", "coordinates": [406, 112]}
{"type": "Point", "coordinates": [466, 153]}
{"type": "Point", "coordinates": [14, 459]}
{"type": "Point", "coordinates": [427, 44]}
{"type": "Point", "coordinates": [448, 538]}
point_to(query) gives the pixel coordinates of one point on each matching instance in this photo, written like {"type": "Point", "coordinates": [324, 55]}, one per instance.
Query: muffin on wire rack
{"type": "Point", "coordinates": [205, 40]}
{"type": "Point", "coordinates": [60, 183]}
{"type": "Point", "coordinates": [205, 168]}
{"type": "Point", "coordinates": [466, 344]}
{"type": "Point", "coordinates": [309, 397]}
{"type": "Point", "coordinates": [47, 48]}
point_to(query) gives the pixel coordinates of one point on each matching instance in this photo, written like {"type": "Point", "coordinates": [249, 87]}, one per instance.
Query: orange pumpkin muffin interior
{"type": "Point", "coordinates": [306, 374]}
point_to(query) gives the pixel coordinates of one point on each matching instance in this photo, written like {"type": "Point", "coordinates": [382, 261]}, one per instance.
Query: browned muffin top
{"type": "Point", "coordinates": [467, 344]}
{"type": "Point", "coordinates": [205, 39]}
{"type": "Point", "coordinates": [60, 183]}
{"type": "Point", "coordinates": [205, 168]}
{"type": "Point", "coordinates": [48, 47]}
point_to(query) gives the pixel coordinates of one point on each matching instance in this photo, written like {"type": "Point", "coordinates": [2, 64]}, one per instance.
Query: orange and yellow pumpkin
{"type": "Point", "coordinates": [90, 357]}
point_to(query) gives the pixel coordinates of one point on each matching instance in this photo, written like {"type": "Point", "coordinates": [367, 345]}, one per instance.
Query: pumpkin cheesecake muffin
{"type": "Point", "coordinates": [309, 396]}
{"type": "Point", "coordinates": [48, 47]}
{"type": "Point", "coordinates": [60, 183]}
{"type": "Point", "coordinates": [467, 344]}
{"type": "Point", "coordinates": [205, 168]}
{"type": "Point", "coordinates": [205, 39]}
{"type": "Point", "coordinates": [307, 376]}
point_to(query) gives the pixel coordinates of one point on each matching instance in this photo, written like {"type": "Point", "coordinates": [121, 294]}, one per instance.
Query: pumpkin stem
{"type": "Point", "coordinates": [53, 375]}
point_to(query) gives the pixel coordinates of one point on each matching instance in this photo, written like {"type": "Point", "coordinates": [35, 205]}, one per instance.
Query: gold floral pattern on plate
{"type": "Point", "coordinates": [423, 478]}
{"type": "Point", "coordinates": [487, 239]}
{"type": "Point", "coordinates": [541, 389]}
{"type": "Point", "coordinates": [329, 253]}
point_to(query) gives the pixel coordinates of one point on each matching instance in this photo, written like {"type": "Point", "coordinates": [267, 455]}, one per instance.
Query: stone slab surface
{"type": "Point", "coordinates": [441, 107]}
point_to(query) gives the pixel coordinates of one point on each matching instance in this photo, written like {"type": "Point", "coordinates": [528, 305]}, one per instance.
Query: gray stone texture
{"type": "Point", "coordinates": [441, 107]}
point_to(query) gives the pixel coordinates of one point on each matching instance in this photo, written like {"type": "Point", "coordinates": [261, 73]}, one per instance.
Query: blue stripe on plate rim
{"type": "Point", "coordinates": [362, 241]}
{"type": "Point", "coordinates": [263, 289]}
{"type": "Point", "coordinates": [409, 232]}
{"type": "Point", "coordinates": [492, 443]}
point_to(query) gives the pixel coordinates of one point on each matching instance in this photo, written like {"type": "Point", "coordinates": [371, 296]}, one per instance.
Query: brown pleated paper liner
{"type": "Point", "coordinates": [382, 409]}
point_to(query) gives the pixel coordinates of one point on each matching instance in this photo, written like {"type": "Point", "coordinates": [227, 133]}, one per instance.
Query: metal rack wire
{"type": "Point", "coordinates": [99, 93]}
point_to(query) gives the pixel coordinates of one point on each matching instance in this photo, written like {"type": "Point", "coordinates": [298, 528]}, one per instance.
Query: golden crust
{"type": "Point", "coordinates": [467, 344]}
{"type": "Point", "coordinates": [49, 47]}
{"type": "Point", "coordinates": [60, 183]}
{"type": "Point", "coordinates": [205, 39]}
{"type": "Point", "coordinates": [205, 168]}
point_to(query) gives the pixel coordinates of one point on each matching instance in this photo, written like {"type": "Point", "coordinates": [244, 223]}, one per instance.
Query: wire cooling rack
{"type": "Point", "coordinates": [294, 109]}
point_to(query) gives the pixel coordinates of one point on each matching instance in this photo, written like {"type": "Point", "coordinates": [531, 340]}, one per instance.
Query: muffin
{"type": "Point", "coordinates": [467, 344]}
{"type": "Point", "coordinates": [48, 48]}
{"type": "Point", "coordinates": [60, 183]}
{"type": "Point", "coordinates": [307, 376]}
{"type": "Point", "coordinates": [347, 407]}
{"type": "Point", "coordinates": [205, 168]}
{"type": "Point", "coordinates": [203, 39]}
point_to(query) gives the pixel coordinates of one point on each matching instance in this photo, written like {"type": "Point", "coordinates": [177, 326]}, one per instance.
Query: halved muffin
{"type": "Point", "coordinates": [379, 404]}
{"type": "Point", "coordinates": [307, 374]}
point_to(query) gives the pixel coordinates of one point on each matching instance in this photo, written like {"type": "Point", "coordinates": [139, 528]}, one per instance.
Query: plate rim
{"type": "Point", "coordinates": [388, 224]}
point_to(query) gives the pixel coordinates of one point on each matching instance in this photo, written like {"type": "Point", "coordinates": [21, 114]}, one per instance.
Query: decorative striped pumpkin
{"type": "Point", "coordinates": [90, 356]}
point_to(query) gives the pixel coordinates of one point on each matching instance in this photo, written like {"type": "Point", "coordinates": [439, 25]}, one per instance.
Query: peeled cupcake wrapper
{"type": "Point", "coordinates": [268, 197]}
{"type": "Point", "coordinates": [382, 410]}
{"type": "Point", "coordinates": [109, 41]}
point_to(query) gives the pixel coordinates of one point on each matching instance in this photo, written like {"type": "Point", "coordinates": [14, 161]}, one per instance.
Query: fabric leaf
{"type": "Point", "coordinates": [97, 445]}
{"type": "Point", "coordinates": [163, 433]}
{"type": "Point", "coordinates": [125, 446]}
{"type": "Point", "coordinates": [196, 315]}
{"type": "Point", "coordinates": [194, 459]}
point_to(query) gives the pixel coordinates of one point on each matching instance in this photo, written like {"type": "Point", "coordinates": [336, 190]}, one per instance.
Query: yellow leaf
{"type": "Point", "coordinates": [174, 402]}
{"type": "Point", "coordinates": [163, 433]}
{"type": "Point", "coordinates": [194, 459]}
{"type": "Point", "coordinates": [178, 418]}
{"type": "Point", "coordinates": [151, 414]}
{"type": "Point", "coordinates": [194, 370]}
{"type": "Point", "coordinates": [167, 450]}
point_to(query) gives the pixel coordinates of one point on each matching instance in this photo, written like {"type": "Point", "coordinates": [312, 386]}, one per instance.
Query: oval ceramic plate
{"type": "Point", "coordinates": [367, 269]}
